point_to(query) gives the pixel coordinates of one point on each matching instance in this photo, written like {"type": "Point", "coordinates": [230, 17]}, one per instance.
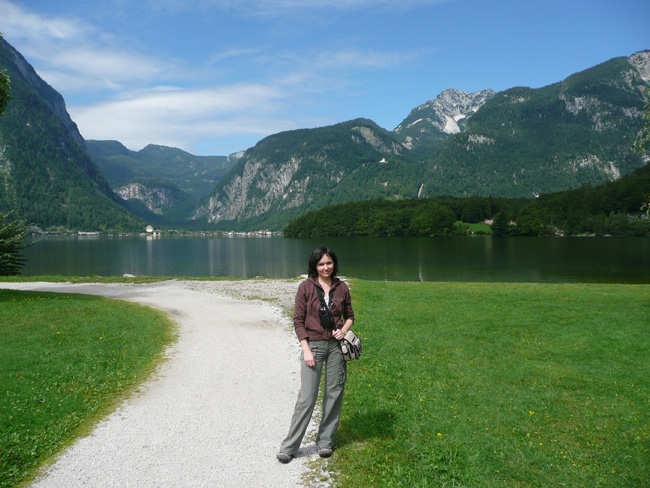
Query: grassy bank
{"type": "Point", "coordinates": [65, 360]}
{"type": "Point", "coordinates": [483, 384]}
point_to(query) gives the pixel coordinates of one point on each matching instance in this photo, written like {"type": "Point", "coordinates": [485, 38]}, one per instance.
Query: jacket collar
{"type": "Point", "coordinates": [335, 282]}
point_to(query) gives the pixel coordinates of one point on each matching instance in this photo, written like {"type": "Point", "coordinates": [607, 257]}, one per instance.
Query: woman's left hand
{"type": "Point", "coordinates": [338, 334]}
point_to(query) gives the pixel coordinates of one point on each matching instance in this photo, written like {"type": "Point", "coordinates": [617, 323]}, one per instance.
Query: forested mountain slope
{"type": "Point", "coordinates": [46, 176]}
{"type": "Point", "coordinates": [167, 180]}
{"type": "Point", "coordinates": [287, 173]}
{"type": "Point", "coordinates": [524, 141]}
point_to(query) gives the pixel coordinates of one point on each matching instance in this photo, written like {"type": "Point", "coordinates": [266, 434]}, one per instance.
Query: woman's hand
{"type": "Point", "coordinates": [309, 358]}
{"type": "Point", "coordinates": [307, 355]}
{"type": "Point", "coordinates": [339, 334]}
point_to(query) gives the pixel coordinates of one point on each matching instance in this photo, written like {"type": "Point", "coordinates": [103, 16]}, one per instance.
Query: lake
{"type": "Point", "coordinates": [481, 258]}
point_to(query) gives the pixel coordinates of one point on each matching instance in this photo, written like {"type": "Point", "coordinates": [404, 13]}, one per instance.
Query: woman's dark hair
{"type": "Point", "coordinates": [316, 256]}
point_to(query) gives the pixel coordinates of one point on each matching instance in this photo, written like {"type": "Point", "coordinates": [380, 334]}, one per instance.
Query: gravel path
{"type": "Point", "coordinates": [214, 414]}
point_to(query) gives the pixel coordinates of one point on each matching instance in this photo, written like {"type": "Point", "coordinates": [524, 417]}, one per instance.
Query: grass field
{"type": "Point", "coordinates": [490, 385]}
{"type": "Point", "coordinates": [64, 362]}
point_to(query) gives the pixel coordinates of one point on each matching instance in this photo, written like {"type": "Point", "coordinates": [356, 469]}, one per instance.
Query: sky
{"type": "Point", "coordinates": [216, 76]}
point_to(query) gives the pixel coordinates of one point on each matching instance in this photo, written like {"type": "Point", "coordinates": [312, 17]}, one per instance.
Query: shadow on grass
{"type": "Point", "coordinates": [370, 424]}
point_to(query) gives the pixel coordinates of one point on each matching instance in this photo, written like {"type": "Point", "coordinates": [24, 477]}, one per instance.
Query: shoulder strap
{"type": "Point", "coordinates": [321, 296]}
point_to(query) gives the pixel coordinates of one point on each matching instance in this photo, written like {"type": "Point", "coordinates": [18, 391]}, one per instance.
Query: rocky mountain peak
{"type": "Point", "coordinates": [236, 156]}
{"type": "Point", "coordinates": [444, 112]}
{"type": "Point", "coordinates": [641, 61]}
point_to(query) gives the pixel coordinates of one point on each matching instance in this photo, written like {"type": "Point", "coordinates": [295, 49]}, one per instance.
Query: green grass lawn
{"type": "Point", "coordinates": [488, 384]}
{"type": "Point", "coordinates": [478, 228]}
{"type": "Point", "coordinates": [65, 360]}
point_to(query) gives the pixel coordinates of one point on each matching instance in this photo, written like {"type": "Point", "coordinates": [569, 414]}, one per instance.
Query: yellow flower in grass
{"type": "Point", "coordinates": [530, 412]}
{"type": "Point", "coordinates": [439, 434]}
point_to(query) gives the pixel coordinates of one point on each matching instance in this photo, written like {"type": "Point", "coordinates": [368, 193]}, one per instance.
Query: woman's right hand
{"type": "Point", "coordinates": [309, 358]}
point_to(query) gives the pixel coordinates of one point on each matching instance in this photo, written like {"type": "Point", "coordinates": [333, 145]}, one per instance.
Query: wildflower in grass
{"type": "Point", "coordinates": [439, 434]}
{"type": "Point", "coordinates": [531, 412]}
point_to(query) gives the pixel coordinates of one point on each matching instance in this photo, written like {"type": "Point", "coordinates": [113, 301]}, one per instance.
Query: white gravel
{"type": "Point", "coordinates": [216, 411]}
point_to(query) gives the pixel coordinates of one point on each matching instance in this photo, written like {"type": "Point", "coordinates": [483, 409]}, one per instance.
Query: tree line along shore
{"type": "Point", "coordinates": [620, 207]}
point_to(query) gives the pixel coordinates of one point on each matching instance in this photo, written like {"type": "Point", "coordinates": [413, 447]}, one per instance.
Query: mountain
{"type": "Point", "coordinates": [516, 143]}
{"type": "Point", "coordinates": [167, 180]}
{"type": "Point", "coordinates": [432, 121]}
{"type": "Point", "coordinates": [524, 141]}
{"type": "Point", "coordinates": [287, 173]}
{"type": "Point", "coordinates": [46, 176]}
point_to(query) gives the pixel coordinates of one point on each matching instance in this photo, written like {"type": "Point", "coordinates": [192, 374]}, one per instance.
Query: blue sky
{"type": "Point", "coordinates": [216, 76]}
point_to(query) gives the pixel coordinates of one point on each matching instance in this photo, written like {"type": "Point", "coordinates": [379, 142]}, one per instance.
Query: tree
{"type": "Point", "coordinates": [500, 225]}
{"type": "Point", "coordinates": [12, 232]}
{"type": "Point", "coordinates": [12, 238]}
{"type": "Point", "coordinates": [434, 219]}
{"type": "Point", "coordinates": [643, 140]}
{"type": "Point", "coordinates": [5, 85]}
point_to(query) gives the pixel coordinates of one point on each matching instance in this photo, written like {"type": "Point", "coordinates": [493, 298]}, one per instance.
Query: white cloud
{"type": "Point", "coordinates": [353, 58]}
{"type": "Point", "coordinates": [72, 82]}
{"type": "Point", "coordinates": [271, 7]}
{"type": "Point", "coordinates": [72, 55]}
{"type": "Point", "coordinates": [105, 63]}
{"type": "Point", "coordinates": [232, 53]}
{"type": "Point", "coordinates": [18, 23]}
{"type": "Point", "coordinates": [336, 4]}
{"type": "Point", "coordinates": [177, 117]}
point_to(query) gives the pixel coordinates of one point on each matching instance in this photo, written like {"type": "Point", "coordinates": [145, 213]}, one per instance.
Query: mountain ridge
{"type": "Point", "coordinates": [518, 142]}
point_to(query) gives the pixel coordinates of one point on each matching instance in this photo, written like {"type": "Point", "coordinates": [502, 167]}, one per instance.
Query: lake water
{"type": "Point", "coordinates": [482, 258]}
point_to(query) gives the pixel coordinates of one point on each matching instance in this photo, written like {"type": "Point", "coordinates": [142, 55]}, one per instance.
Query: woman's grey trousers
{"type": "Point", "coordinates": [326, 353]}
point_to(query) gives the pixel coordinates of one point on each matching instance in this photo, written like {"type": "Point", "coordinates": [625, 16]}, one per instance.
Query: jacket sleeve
{"type": "Point", "coordinates": [348, 313]}
{"type": "Point", "coordinates": [300, 312]}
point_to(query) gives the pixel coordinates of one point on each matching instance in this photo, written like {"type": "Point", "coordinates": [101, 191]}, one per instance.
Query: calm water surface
{"type": "Point", "coordinates": [614, 260]}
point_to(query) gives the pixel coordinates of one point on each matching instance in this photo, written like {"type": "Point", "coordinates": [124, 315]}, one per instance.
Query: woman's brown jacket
{"type": "Point", "coordinates": [305, 315]}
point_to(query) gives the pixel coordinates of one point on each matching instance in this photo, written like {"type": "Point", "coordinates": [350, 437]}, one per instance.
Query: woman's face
{"type": "Point", "coordinates": [325, 267]}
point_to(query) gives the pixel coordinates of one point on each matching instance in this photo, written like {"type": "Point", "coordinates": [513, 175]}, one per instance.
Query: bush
{"type": "Point", "coordinates": [12, 242]}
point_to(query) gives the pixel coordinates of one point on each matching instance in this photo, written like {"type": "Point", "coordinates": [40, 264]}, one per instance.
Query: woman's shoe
{"type": "Point", "coordinates": [325, 452]}
{"type": "Point", "coordinates": [284, 458]}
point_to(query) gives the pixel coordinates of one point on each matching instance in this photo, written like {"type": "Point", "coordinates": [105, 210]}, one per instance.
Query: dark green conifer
{"type": "Point", "coordinates": [500, 225]}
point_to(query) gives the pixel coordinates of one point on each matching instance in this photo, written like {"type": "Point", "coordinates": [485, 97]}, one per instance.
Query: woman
{"type": "Point", "coordinates": [320, 346]}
